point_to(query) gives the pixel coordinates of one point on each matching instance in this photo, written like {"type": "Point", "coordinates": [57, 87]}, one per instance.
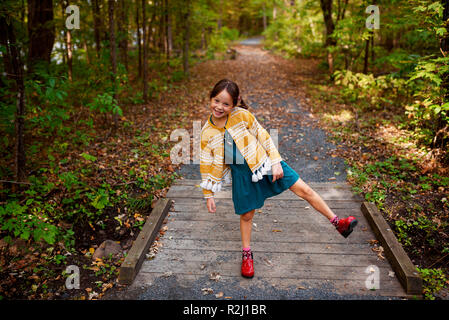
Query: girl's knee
{"type": "Point", "coordinates": [302, 190]}
{"type": "Point", "coordinates": [247, 216]}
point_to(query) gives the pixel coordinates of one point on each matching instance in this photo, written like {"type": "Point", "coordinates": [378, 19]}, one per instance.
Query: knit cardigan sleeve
{"type": "Point", "coordinates": [264, 138]}
{"type": "Point", "coordinates": [206, 161]}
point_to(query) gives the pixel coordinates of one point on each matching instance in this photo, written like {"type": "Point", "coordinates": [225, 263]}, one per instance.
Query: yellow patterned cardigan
{"type": "Point", "coordinates": [252, 140]}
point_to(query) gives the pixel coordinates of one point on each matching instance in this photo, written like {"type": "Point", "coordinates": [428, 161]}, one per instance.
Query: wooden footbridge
{"type": "Point", "coordinates": [298, 254]}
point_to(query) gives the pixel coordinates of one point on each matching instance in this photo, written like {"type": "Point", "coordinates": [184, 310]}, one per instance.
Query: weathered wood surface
{"type": "Point", "coordinates": [296, 250]}
{"type": "Point", "coordinates": [133, 261]}
{"type": "Point", "coordinates": [401, 263]}
{"type": "Point", "coordinates": [194, 191]}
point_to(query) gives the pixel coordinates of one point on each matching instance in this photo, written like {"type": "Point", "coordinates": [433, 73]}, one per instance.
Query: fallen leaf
{"type": "Point", "coordinates": [268, 262]}
{"type": "Point", "coordinates": [215, 276]}
{"type": "Point", "coordinates": [276, 230]}
{"type": "Point", "coordinates": [219, 295]}
{"type": "Point", "coordinates": [207, 291]}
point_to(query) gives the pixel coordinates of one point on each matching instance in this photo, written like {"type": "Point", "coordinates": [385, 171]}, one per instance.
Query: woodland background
{"type": "Point", "coordinates": [76, 102]}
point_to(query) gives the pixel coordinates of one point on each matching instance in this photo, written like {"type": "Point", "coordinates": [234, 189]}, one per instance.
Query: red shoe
{"type": "Point", "coordinates": [247, 264]}
{"type": "Point", "coordinates": [345, 226]}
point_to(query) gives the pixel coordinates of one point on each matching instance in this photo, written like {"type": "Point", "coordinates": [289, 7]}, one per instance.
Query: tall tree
{"type": "Point", "coordinates": [145, 50]}
{"type": "Point", "coordinates": [168, 24]}
{"type": "Point", "coordinates": [41, 31]}
{"type": "Point", "coordinates": [97, 24]}
{"type": "Point", "coordinates": [186, 37]}
{"type": "Point", "coordinates": [14, 68]}
{"type": "Point", "coordinates": [326, 6]}
{"type": "Point", "coordinates": [122, 29]}
{"type": "Point", "coordinates": [112, 45]}
{"type": "Point", "coordinates": [139, 40]}
{"type": "Point", "coordinates": [68, 42]}
{"type": "Point", "coordinates": [444, 45]}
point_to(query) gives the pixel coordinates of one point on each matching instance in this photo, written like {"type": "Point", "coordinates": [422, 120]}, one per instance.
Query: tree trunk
{"type": "Point", "coordinates": [86, 49]}
{"type": "Point", "coordinates": [168, 36]}
{"type": "Point", "coordinates": [326, 6]}
{"type": "Point", "coordinates": [139, 44]}
{"type": "Point", "coordinates": [220, 10]}
{"type": "Point", "coordinates": [97, 25]}
{"type": "Point", "coordinates": [112, 45]}
{"type": "Point", "coordinates": [41, 31]}
{"type": "Point", "coordinates": [264, 17]}
{"type": "Point", "coordinates": [444, 45]}
{"type": "Point", "coordinates": [68, 43]}
{"type": "Point", "coordinates": [14, 68]}
{"type": "Point", "coordinates": [122, 28]}
{"type": "Point", "coordinates": [161, 28]}
{"type": "Point", "coordinates": [365, 64]}
{"type": "Point", "coordinates": [186, 39]}
{"type": "Point", "coordinates": [145, 62]}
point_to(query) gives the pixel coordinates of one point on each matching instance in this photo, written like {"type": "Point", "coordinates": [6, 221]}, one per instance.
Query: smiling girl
{"type": "Point", "coordinates": [233, 142]}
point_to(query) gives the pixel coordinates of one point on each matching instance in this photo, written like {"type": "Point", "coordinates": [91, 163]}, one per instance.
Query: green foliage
{"type": "Point", "coordinates": [51, 92]}
{"type": "Point", "coordinates": [106, 104]}
{"type": "Point", "coordinates": [433, 281]}
{"type": "Point", "coordinates": [19, 222]}
{"type": "Point", "coordinates": [369, 92]}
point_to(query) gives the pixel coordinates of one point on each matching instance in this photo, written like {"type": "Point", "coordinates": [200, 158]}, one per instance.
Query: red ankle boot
{"type": "Point", "coordinates": [345, 226]}
{"type": "Point", "coordinates": [247, 264]}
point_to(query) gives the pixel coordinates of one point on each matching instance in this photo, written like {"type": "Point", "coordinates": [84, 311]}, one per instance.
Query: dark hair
{"type": "Point", "coordinates": [232, 88]}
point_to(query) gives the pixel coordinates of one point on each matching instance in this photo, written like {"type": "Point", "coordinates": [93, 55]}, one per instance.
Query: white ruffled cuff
{"type": "Point", "coordinates": [262, 170]}
{"type": "Point", "coordinates": [211, 185]}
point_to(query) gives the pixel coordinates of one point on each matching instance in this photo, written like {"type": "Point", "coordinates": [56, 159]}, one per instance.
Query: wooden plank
{"type": "Point", "coordinates": [316, 237]}
{"type": "Point", "coordinates": [297, 271]}
{"type": "Point", "coordinates": [267, 246]}
{"type": "Point", "coordinates": [293, 203]}
{"type": "Point", "coordinates": [227, 214]}
{"type": "Point", "coordinates": [402, 265]}
{"type": "Point", "coordinates": [136, 255]}
{"type": "Point", "coordinates": [336, 185]}
{"type": "Point", "coordinates": [296, 228]}
{"type": "Point", "coordinates": [296, 258]}
{"type": "Point", "coordinates": [195, 192]}
{"type": "Point", "coordinates": [303, 288]}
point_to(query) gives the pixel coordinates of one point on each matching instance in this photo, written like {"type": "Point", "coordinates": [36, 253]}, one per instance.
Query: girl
{"type": "Point", "coordinates": [232, 141]}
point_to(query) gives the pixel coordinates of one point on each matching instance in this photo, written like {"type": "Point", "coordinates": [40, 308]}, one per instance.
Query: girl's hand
{"type": "Point", "coordinates": [211, 205]}
{"type": "Point", "coordinates": [278, 173]}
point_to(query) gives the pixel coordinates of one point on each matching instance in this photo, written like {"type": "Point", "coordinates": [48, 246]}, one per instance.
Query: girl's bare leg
{"type": "Point", "coordinates": [301, 189]}
{"type": "Point", "coordinates": [246, 223]}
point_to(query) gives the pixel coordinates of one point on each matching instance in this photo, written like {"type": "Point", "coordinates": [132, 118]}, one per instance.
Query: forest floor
{"type": "Point", "coordinates": [138, 153]}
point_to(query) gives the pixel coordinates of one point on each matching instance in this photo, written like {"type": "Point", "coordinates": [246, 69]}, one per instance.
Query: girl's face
{"type": "Point", "coordinates": [221, 105]}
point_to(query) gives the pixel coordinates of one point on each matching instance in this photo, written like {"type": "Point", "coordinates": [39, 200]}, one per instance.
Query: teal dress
{"type": "Point", "coordinates": [246, 194]}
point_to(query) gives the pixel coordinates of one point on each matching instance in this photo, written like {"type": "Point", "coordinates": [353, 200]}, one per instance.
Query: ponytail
{"type": "Point", "coordinates": [242, 104]}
